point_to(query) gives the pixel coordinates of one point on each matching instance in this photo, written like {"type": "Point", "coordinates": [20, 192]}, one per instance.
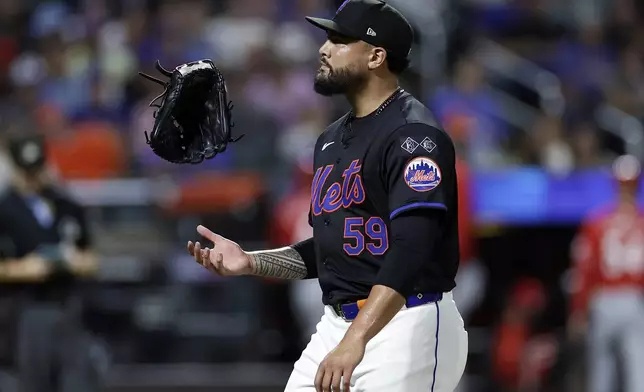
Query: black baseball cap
{"type": "Point", "coordinates": [371, 21]}
{"type": "Point", "coordinates": [28, 152]}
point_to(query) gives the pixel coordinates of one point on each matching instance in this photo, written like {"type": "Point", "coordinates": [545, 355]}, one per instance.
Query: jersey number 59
{"type": "Point", "coordinates": [375, 230]}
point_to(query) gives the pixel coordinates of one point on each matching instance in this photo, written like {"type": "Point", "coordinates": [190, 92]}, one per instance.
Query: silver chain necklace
{"type": "Point", "coordinates": [382, 106]}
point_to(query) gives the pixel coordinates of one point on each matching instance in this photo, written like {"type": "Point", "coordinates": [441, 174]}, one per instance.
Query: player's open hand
{"type": "Point", "coordinates": [224, 258]}
{"type": "Point", "coordinates": [334, 373]}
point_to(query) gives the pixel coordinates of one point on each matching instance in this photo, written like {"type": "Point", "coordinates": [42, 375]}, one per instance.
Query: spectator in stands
{"type": "Point", "coordinates": [25, 73]}
{"type": "Point", "coordinates": [62, 85]}
{"type": "Point", "coordinates": [98, 108]}
{"type": "Point", "coordinates": [584, 64]}
{"type": "Point", "coordinates": [45, 248]}
{"type": "Point", "coordinates": [524, 26]}
{"type": "Point", "coordinates": [587, 146]}
{"type": "Point", "coordinates": [545, 145]}
{"type": "Point", "coordinates": [626, 88]}
{"type": "Point", "coordinates": [469, 112]}
{"type": "Point", "coordinates": [278, 88]}
{"type": "Point", "coordinates": [177, 34]}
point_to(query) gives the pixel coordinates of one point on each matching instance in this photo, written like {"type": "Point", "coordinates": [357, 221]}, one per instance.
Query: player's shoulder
{"type": "Point", "coordinates": [416, 132]}
{"type": "Point", "coordinates": [414, 119]}
{"type": "Point", "coordinates": [599, 215]}
{"type": "Point", "coordinates": [414, 111]}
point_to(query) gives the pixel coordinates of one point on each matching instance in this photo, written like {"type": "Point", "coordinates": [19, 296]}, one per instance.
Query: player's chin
{"type": "Point", "coordinates": [326, 87]}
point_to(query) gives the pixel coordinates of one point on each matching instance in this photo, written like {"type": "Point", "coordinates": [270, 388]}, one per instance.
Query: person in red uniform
{"type": "Point", "coordinates": [607, 304]}
{"type": "Point", "coordinates": [465, 219]}
{"type": "Point", "coordinates": [472, 275]}
{"type": "Point", "coordinates": [522, 357]}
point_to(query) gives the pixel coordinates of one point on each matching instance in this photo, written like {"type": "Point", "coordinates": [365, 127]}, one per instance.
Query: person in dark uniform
{"type": "Point", "coordinates": [45, 248]}
{"type": "Point", "coordinates": [385, 224]}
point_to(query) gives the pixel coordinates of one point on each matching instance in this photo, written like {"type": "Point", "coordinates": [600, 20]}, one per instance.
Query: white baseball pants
{"type": "Point", "coordinates": [616, 329]}
{"type": "Point", "coordinates": [423, 348]}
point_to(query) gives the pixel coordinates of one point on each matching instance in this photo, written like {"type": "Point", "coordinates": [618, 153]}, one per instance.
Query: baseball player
{"type": "Point", "coordinates": [384, 216]}
{"type": "Point", "coordinates": [608, 286]}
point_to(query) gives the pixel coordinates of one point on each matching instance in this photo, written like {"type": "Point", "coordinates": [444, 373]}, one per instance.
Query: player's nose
{"type": "Point", "coordinates": [325, 49]}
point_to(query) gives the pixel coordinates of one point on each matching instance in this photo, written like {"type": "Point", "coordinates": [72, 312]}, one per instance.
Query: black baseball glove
{"type": "Point", "coordinates": [193, 121]}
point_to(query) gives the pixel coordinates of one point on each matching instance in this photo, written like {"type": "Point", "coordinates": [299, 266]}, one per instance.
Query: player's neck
{"type": "Point", "coordinates": [371, 96]}
{"type": "Point", "coordinates": [26, 186]}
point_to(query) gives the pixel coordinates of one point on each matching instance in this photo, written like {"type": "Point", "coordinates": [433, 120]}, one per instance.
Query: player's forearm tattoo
{"type": "Point", "coordinates": [283, 263]}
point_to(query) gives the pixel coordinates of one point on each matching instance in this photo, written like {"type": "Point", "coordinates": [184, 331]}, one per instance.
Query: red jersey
{"type": "Point", "coordinates": [465, 224]}
{"type": "Point", "coordinates": [608, 252]}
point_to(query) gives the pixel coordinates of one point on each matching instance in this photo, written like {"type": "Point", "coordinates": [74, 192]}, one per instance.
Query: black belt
{"type": "Point", "coordinates": [349, 311]}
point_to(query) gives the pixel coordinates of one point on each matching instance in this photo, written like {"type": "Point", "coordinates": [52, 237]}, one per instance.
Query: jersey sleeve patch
{"type": "Point", "coordinates": [428, 144]}
{"type": "Point", "coordinates": [422, 174]}
{"type": "Point", "coordinates": [409, 145]}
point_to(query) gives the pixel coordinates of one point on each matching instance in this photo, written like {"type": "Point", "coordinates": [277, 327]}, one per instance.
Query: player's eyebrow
{"type": "Point", "coordinates": [340, 38]}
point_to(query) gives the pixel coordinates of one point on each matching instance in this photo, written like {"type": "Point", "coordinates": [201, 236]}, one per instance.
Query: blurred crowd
{"type": "Point", "coordinates": [568, 60]}
{"type": "Point", "coordinates": [546, 83]}
{"type": "Point", "coordinates": [69, 70]}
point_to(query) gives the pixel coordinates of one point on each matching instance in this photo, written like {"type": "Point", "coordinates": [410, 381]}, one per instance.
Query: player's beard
{"type": "Point", "coordinates": [338, 81]}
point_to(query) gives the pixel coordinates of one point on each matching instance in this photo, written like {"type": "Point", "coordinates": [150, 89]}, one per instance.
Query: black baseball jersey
{"type": "Point", "coordinates": [29, 222]}
{"type": "Point", "coordinates": [368, 170]}
{"type": "Point", "coordinates": [35, 223]}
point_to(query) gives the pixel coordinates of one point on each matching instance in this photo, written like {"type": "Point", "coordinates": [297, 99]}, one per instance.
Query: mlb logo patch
{"type": "Point", "coordinates": [422, 174]}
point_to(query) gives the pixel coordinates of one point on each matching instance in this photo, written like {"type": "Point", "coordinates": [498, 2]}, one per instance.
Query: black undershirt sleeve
{"type": "Point", "coordinates": [413, 237]}
{"type": "Point", "coordinates": [306, 249]}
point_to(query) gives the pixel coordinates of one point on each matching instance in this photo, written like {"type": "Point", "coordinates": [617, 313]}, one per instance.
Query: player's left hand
{"type": "Point", "coordinates": [338, 366]}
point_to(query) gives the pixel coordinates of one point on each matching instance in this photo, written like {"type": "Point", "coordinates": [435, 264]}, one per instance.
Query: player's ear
{"type": "Point", "coordinates": [377, 57]}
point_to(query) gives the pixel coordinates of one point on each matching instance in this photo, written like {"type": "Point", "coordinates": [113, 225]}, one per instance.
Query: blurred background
{"type": "Point", "coordinates": [540, 96]}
